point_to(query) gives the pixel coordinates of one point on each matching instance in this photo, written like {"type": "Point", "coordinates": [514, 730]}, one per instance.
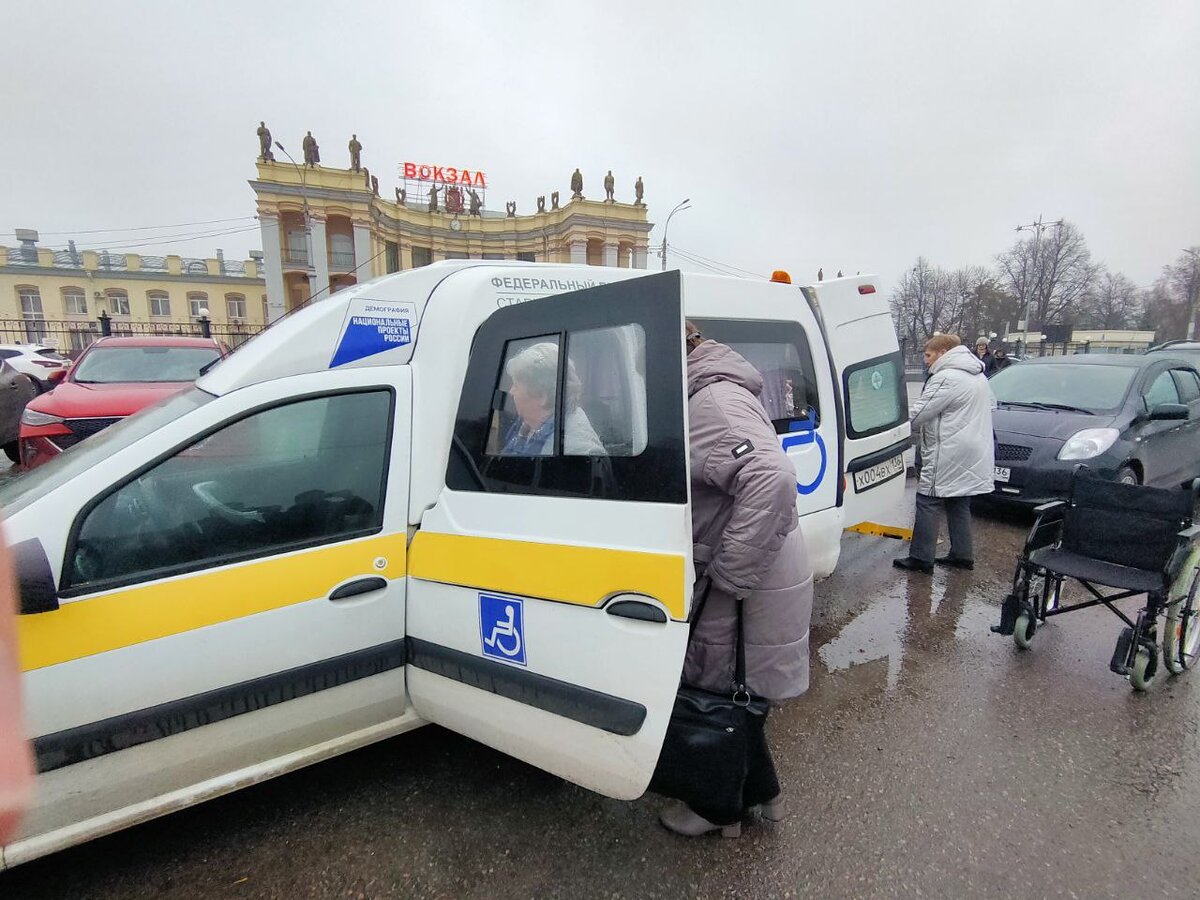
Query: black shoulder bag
{"type": "Point", "coordinates": [705, 755]}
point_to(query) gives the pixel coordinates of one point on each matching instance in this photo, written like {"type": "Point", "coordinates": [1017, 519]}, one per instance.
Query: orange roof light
{"type": "Point", "coordinates": [781, 276]}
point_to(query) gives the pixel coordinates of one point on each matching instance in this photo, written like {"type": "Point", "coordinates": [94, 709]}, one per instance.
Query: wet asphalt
{"type": "Point", "coordinates": [929, 759]}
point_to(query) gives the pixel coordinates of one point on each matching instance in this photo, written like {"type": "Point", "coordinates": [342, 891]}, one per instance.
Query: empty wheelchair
{"type": "Point", "coordinates": [1127, 539]}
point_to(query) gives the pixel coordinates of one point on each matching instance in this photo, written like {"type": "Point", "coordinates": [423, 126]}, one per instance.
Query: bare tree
{"type": "Point", "coordinates": [1053, 274]}
{"type": "Point", "coordinates": [1113, 302]}
{"type": "Point", "coordinates": [927, 300]}
{"type": "Point", "coordinates": [1172, 304]}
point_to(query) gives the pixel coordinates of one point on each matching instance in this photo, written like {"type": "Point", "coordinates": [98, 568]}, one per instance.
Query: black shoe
{"type": "Point", "coordinates": [910, 564]}
{"type": "Point", "coordinates": [955, 562]}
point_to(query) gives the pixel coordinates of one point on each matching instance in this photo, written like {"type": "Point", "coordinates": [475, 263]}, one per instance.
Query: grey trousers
{"type": "Point", "coordinates": [927, 525]}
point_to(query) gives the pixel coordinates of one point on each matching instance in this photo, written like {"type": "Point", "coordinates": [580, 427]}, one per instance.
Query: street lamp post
{"type": "Point", "coordinates": [1037, 228]}
{"type": "Point", "coordinates": [1193, 294]}
{"type": "Point", "coordinates": [663, 251]}
{"type": "Point", "coordinates": [304, 199]}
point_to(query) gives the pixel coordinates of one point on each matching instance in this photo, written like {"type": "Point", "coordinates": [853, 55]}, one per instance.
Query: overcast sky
{"type": "Point", "coordinates": [844, 135]}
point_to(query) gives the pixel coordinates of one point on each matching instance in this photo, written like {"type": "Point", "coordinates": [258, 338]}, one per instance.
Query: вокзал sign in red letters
{"type": "Point", "coordinates": [444, 174]}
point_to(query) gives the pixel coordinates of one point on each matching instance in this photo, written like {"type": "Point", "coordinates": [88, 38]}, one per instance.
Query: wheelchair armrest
{"type": "Point", "coordinates": [1185, 541]}
{"type": "Point", "coordinates": [1049, 519]}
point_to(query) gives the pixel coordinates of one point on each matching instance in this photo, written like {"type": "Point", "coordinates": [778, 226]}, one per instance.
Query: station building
{"type": "Point", "coordinates": [354, 234]}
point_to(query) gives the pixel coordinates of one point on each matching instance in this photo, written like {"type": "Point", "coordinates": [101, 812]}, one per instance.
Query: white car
{"type": "Point", "coordinates": [35, 360]}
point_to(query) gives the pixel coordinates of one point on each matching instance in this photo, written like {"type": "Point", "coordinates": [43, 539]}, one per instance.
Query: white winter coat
{"type": "Point", "coordinates": [952, 420]}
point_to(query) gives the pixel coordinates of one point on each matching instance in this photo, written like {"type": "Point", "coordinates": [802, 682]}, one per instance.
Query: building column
{"type": "Point", "coordinates": [364, 269]}
{"type": "Point", "coordinates": [318, 258]}
{"type": "Point", "coordinates": [639, 257]}
{"type": "Point", "coordinates": [610, 255]}
{"type": "Point", "coordinates": [579, 253]}
{"type": "Point", "coordinates": [272, 266]}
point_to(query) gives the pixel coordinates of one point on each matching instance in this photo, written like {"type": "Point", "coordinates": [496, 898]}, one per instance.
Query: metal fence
{"type": "Point", "coordinates": [72, 337]}
{"type": "Point", "coordinates": [1044, 348]}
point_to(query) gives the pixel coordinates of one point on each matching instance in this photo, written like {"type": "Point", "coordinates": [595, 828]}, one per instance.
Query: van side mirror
{"type": "Point", "coordinates": [1169, 412]}
{"type": "Point", "coordinates": [56, 376]}
{"type": "Point", "coordinates": [35, 580]}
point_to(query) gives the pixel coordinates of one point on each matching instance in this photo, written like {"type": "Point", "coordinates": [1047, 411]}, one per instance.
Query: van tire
{"type": "Point", "coordinates": [13, 451]}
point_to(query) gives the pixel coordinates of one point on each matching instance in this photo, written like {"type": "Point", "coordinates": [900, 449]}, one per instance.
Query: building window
{"type": "Point", "coordinates": [160, 303]}
{"type": "Point", "coordinates": [118, 303]}
{"type": "Point", "coordinates": [527, 256]}
{"type": "Point", "coordinates": [74, 302]}
{"type": "Point", "coordinates": [197, 304]}
{"type": "Point", "coordinates": [493, 256]}
{"type": "Point", "coordinates": [81, 337]}
{"type": "Point", "coordinates": [422, 256]}
{"type": "Point", "coordinates": [31, 312]}
{"type": "Point", "coordinates": [235, 306]}
{"type": "Point", "coordinates": [393, 256]}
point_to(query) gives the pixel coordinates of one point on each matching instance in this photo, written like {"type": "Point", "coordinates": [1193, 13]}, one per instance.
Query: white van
{"type": "Point", "coordinates": [325, 542]}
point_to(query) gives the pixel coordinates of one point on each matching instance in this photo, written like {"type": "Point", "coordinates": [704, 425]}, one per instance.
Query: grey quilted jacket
{"type": "Point", "coordinates": [744, 533]}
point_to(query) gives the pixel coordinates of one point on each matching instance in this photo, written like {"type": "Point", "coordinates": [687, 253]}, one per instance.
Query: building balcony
{"type": "Point", "coordinates": [341, 261]}
{"type": "Point", "coordinates": [295, 259]}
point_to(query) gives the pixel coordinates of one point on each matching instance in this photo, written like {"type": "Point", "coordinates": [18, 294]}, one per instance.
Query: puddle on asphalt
{"type": "Point", "coordinates": [907, 612]}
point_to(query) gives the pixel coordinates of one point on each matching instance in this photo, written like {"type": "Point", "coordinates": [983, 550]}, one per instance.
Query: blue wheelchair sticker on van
{"type": "Point", "coordinates": [502, 628]}
{"type": "Point", "coordinates": [804, 431]}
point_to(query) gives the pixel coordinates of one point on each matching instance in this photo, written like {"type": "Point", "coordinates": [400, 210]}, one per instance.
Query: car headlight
{"type": "Point", "coordinates": [1089, 443]}
{"type": "Point", "coordinates": [33, 417]}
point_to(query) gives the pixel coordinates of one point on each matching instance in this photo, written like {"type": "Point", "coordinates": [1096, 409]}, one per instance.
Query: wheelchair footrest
{"type": "Point", "coordinates": [1009, 610]}
{"type": "Point", "coordinates": [1122, 656]}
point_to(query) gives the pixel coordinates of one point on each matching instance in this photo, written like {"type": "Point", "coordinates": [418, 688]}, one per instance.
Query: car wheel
{"type": "Point", "coordinates": [13, 451]}
{"type": "Point", "coordinates": [1128, 475]}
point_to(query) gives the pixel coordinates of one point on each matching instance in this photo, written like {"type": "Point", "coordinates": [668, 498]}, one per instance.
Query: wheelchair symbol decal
{"type": "Point", "coordinates": [802, 433]}
{"type": "Point", "coordinates": [502, 628]}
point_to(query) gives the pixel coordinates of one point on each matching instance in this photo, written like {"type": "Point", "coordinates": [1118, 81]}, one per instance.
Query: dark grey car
{"type": "Point", "coordinates": [1134, 419]}
{"type": "Point", "coordinates": [15, 391]}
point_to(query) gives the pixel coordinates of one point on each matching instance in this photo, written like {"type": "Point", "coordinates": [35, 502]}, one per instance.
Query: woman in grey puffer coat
{"type": "Point", "coordinates": [746, 539]}
{"type": "Point", "coordinates": [952, 421]}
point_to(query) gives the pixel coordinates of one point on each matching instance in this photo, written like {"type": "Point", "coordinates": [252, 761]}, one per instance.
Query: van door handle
{"type": "Point", "coordinates": [361, 586]}
{"type": "Point", "coordinates": [636, 609]}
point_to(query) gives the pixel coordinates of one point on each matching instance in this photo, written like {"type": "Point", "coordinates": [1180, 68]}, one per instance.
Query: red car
{"type": "Point", "coordinates": [115, 377]}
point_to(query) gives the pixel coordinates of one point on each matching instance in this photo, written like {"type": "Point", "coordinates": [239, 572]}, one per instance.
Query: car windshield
{"type": "Point", "coordinates": [17, 493]}
{"type": "Point", "coordinates": [1091, 388]}
{"type": "Point", "coordinates": [112, 365]}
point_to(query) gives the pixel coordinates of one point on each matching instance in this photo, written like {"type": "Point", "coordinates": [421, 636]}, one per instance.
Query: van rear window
{"type": "Point", "coordinates": [875, 395]}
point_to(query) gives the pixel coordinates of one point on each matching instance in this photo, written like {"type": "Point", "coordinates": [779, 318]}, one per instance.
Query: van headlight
{"type": "Point", "coordinates": [33, 417]}
{"type": "Point", "coordinates": [1089, 443]}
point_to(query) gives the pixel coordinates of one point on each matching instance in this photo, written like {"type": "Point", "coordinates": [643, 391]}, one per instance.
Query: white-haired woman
{"type": "Point", "coordinates": [534, 374]}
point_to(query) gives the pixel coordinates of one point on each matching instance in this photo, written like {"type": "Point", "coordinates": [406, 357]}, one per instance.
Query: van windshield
{"type": "Point", "coordinates": [20, 491]}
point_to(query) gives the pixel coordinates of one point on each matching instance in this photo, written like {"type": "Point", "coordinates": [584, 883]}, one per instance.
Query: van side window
{"type": "Point", "coordinates": [780, 353]}
{"type": "Point", "coordinates": [1163, 390]}
{"type": "Point", "coordinates": [1188, 383]}
{"type": "Point", "coordinates": [304, 473]}
{"type": "Point", "coordinates": [876, 397]}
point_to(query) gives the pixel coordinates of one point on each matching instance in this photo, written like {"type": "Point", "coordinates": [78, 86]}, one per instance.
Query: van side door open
{"type": "Point", "coordinates": [869, 371]}
{"type": "Point", "coordinates": [550, 583]}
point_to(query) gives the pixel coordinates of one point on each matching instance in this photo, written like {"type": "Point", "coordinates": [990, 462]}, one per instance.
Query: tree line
{"type": "Point", "coordinates": [1061, 283]}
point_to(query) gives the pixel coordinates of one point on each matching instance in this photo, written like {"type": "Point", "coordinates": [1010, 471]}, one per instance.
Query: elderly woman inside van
{"type": "Point", "coordinates": [534, 374]}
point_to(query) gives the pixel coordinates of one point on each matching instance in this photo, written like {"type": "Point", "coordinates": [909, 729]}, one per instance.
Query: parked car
{"type": "Point", "coordinates": [16, 389]}
{"type": "Point", "coordinates": [1134, 419]}
{"type": "Point", "coordinates": [1189, 350]}
{"type": "Point", "coordinates": [38, 361]}
{"type": "Point", "coordinates": [115, 377]}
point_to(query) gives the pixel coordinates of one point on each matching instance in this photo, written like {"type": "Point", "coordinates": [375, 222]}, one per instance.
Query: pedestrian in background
{"type": "Point", "coordinates": [985, 356]}
{"type": "Point", "coordinates": [16, 766]}
{"type": "Point", "coordinates": [747, 542]}
{"type": "Point", "coordinates": [952, 420]}
{"type": "Point", "coordinates": [1000, 360]}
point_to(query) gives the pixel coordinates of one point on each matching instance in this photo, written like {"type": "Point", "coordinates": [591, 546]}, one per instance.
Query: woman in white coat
{"type": "Point", "coordinates": [952, 420]}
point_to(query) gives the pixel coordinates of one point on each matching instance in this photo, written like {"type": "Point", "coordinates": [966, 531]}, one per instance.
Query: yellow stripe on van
{"type": "Point", "coordinates": [145, 613]}
{"type": "Point", "coordinates": [571, 574]}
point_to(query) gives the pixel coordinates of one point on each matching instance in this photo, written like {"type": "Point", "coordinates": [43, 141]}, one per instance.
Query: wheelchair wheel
{"type": "Point", "coordinates": [1181, 636]}
{"type": "Point", "coordinates": [1141, 676]}
{"type": "Point", "coordinates": [1023, 631]}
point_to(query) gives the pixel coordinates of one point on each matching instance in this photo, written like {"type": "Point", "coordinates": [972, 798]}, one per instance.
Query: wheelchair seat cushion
{"type": "Point", "coordinates": [1086, 568]}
